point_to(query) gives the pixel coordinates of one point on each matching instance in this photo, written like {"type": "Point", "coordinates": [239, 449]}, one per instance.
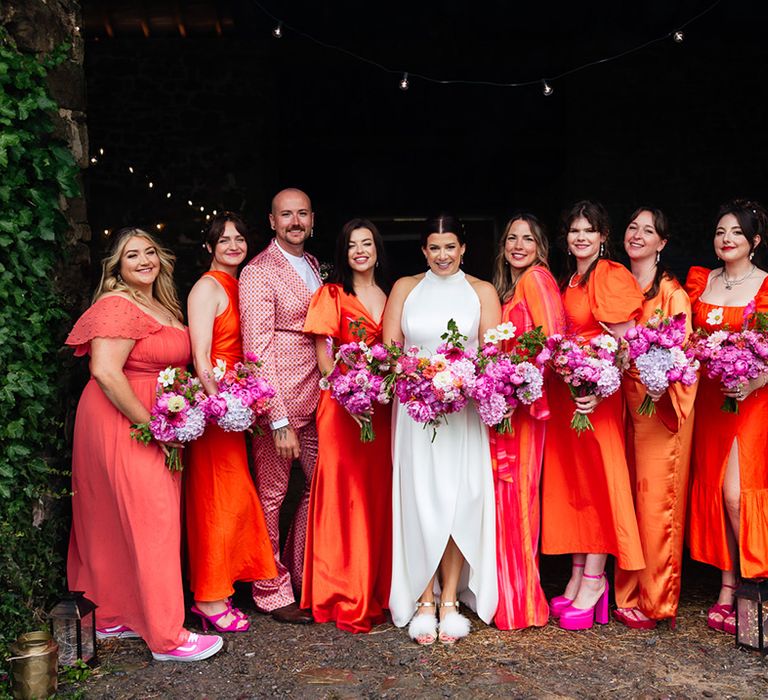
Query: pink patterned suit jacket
{"type": "Point", "coordinates": [273, 305]}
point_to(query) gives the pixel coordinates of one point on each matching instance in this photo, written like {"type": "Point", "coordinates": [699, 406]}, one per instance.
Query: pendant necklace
{"type": "Point", "coordinates": [729, 283]}
{"type": "Point", "coordinates": [571, 285]}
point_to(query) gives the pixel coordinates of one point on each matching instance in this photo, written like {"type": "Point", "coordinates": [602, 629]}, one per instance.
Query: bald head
{"type": "Point", "coordinates": [291, 219]}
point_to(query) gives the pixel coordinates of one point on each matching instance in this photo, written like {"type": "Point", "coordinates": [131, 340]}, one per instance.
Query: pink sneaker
{"type": "Point", "coordinates": [118, 631]}
{"type": "Point", "coordinates": [196, 648]}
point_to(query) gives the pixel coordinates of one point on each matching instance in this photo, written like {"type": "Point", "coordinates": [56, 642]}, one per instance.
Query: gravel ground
{"type": "Point", "coordinates": [319, 661]}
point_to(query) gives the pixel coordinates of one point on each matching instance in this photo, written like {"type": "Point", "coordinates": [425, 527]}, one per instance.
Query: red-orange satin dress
{"type": "Point", "coordinates": [226, 534]}
{"type": "Point", "coordinates": [586, 492]}
{"type": "Point", "coordinates": [658, 453]}
{"type": "Point", "coordinates": [348, 559]}
{"type": "Point", "coordinates": [517, 459]}
{"type": "Point", "coordinates": [713, 435]}
{"type": "Point", "coordinates": [124, 548]}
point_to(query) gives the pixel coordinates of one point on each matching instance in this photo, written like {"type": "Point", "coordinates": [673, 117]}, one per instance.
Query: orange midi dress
{"type": "Point", "coordinates": [348, 557]}
{"type": "Point", "coordinates": [658, 453]}
{"type": "Point", "coordinates": [124, 547]}
{"type": "Point", "coordinates": [227, 538]}
{"type": "Point", "coordinates": [713, 435]}
{"type": "Point", "coordinates": [517, 458]}
{"type": "Point", "coordinates": [586, 491]}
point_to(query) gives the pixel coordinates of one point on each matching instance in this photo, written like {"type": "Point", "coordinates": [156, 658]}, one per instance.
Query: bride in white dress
{"type": "Point", "coordinates": [444, 537]}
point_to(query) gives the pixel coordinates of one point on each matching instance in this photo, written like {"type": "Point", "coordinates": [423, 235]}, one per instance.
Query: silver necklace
{"type": "Point", "coordinates": [729, 283]}
{"type": "Point", "coordinates": [570, 281]}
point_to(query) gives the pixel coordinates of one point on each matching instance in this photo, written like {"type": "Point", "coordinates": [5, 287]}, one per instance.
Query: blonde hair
{"type": "Point", "coordinates": [502, 271]}
{"type": "Point", "coordinates": [163, 289]}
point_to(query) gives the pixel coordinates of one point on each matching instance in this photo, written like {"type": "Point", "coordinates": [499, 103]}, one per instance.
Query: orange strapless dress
{"type": "Point", "coordinates": [348, 557]}
{"type": "Point", "coordinates": [226, 533]}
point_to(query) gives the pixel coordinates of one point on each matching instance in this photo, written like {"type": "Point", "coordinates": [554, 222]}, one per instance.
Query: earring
{"type": "Point", "coordinates": [461, 262]}
{"type": "Point", "coordinates": [311, 232]}
{"type": "Point", "coordinates": [658, 256]}
{"type": "Point", "coordinates": [752, 255]}
{"type": "Point", "coordinates": [602, 250]}
{"type": "Point", "coordinates": [569, 252]}
{"type": "Point", "coordinates": [119, 278]}
{"type": "Point", "coordinates": [377, 264]}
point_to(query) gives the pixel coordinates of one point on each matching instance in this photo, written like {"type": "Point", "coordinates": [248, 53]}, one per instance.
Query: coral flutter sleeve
{"type": "Point", "coordinates": [614, 294]}
{"type": "Point", "coordinates": [696, 282]}
{"type": "Point", "coordinates": [111, 317]}
{"type": "Point", "coordinates": [544, 302]}
{"type": "Point", "coordinates": [324, 314]}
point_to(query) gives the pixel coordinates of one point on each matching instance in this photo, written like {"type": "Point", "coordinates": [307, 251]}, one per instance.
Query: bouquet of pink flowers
{"type": "Point", "coordinates": [432, 386]}
{"type": "Point", "coordinates": [506, 379]}
{"type": "Point", "coordinates": [588, 369]}
{"type": "Point", "coordinates": [734, 357]}
{"type": "Point", "coordinates": [178, 414]}
{"type": "Point", "coordinates": [242, 396]}
{"type": "Point", "coordinates": [659, 352]}
{"type": "Point", "coordinates": [357, 382]}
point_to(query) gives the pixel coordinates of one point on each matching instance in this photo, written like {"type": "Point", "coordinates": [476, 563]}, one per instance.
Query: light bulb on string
{"type": "Point", "coordinates": [277, 32]}
{"type": "Point", "coordinates": [151, 184]}
{"type": "Point", "coordinates": [130, 169]}
{"type": "Point", "coordinates": [101, 151]}
{"type": "Point", "coordinates": [678, 36]}
{"type": "Point", "coordinates": [202, 208]}
{"type": "Point", "coordinates": [168, 195]}
{"type": "Point", "coordinates": [189, 201]}
{"type": "Point", "coordinates": [94, 160]}
{"type": "Point", "coordinates": [160, 226]}
{"type": "Point", "coordinates": [404, 84]}
{"type": "Point", "coordinates": [214, 212]}
{"type": "Point", "coordinates": [547, 89]}
{"type": "Point", "coordinates": [207, 217]}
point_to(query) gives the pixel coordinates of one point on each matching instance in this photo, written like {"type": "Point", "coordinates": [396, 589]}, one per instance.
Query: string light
{"type": "Point", "coordinates": [151, 184]}
{"type": "Point", "coordinates": [130, 169]}
{"type": "Point", "coordinates": [547, 89]}
{"type": "Point", "coordinates": [168, 196]}
{"type": "Point", "coordinates": [677, 35]}
{"type": "Point", "coordinates": [189, 201]}
{"type": "Point", "coordinates": [94, 160]}
{"type": "Point", "coordinates": [101, 151]}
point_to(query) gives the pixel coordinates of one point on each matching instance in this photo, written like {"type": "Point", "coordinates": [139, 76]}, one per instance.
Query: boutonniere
{"type": "Point", "coordinates": [325, 271]}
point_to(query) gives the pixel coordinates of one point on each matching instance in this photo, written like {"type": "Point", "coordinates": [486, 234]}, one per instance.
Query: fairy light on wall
{"type": "Point", "coordinates": [404, 83]}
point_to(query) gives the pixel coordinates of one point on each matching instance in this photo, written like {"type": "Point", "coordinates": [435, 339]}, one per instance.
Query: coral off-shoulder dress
{"type": "Point", "coordinates": [348, 557]}
{"type": "Point", "coordinates": [713, 435]}
{"type": "Point", "coordinates": [517, 459]}
{"type": "Point", "coordinates": [226, 533]}
{"type": "Point", "coordinates": [586, 492]}
{"type": "Point", "coordinates": [124, 548]}
{"type": "Point", "coordinates": [659, 454]}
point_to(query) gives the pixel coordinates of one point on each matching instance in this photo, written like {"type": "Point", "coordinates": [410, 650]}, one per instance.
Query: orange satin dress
{"type": "Point", "coordinates": [348, 557]}
{"type": "Point", "coordinates": [517, 458]}
{"type": "Point", "coordinates": [713, 436]}
{"type": "Point", "coordinates": [658, 453]}
{"type": "Point", "coordinates": [124, 548]}
{"type": "Point", "coordinates": [586, 491]}
{"type": "Point", "coordinates": [226, 534]}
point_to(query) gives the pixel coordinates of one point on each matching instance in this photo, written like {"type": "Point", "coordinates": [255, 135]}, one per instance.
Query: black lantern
{"type": "Point", "coordinates": [73, 626]}
{"type": "Point", "coordinates": [752, 615]}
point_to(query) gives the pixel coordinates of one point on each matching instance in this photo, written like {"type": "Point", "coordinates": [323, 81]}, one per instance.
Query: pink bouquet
{"type": "Point", "coordinates": [357, 382]}
{"type": "Point", "coordinates": [242, 396]}
{"type": "Point", "coordinates": [430, 387]}
{"type": "Point", "coordinates": [588, 369]}
{"type": "Point", "coordinates": [178, 414]}
{"type": "Point", "coordinates": [506, 379]}
{"type": "Point", "coordinates": [734, 357]}
{"type": "Point", "coordinates": [659, 352]}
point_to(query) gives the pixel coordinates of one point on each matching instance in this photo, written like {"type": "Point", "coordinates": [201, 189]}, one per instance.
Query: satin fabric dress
{"type": "Point", "coordinates": [586, 491]}
{"type": "Point", "coordinates": [348, 556]}
{"type": "Point", "coordinates": [226, 534]}
{"type": "Point", "coordinates": [713, 437]}
{"type": "Point", "coordinates": [444, 488]}
{"type": "Point", "coordinates": [124, 547]}
{"type": "Point", "coordinates": [517, 459]}
{"type": "Point", "coordinates": [658, 453]}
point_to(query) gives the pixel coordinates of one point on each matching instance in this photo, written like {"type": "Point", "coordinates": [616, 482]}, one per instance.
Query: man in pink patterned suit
{"type": "Point", "coordinates": [275, 290]}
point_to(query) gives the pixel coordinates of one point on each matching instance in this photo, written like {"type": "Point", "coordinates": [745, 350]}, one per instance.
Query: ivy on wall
{"type": "Point", "coordinates": [37, 171]}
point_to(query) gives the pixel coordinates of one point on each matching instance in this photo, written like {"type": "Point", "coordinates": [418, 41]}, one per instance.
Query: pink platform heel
{"type": "Point", "coordinates": [578, 619]}
{"type": "Point", "coordinates": [238, 624]}
{"type": "Point", "coordinates": [560, 602]}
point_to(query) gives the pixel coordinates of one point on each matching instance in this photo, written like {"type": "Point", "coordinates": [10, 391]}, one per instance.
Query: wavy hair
{"type": "Point", "coordinates": [342, 272]}
{"type": "Point", "coordinates": [502, 272]}
{"type": "Point", "coordinates": [752, 218]}
{"type": "Point", "coordinates": [596, 214]}
{"type": "Point", "coordinates": [163, 289]}
{"type": "Point", "coordinates": [661, 225]}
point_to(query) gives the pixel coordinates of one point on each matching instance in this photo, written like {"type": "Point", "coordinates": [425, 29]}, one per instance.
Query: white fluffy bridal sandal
{"type": "Point", "coordinates": [423, 627]}
{"type": "Point", "coordinates": [454, 625]}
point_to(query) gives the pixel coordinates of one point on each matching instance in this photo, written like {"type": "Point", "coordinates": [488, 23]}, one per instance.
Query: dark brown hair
{"type": "Point", "coordinates": [661, 225]}
{"type": "Point", "coordinates": [596, 214]}
{"type": "Point", "coordinates": [752, 218]}
{"type": "Point", "coordinates": [342, 272]}
{"type": "Point", "coordinates": [443, 223]}
{"type": "Point", "coordinates": [216, 229]}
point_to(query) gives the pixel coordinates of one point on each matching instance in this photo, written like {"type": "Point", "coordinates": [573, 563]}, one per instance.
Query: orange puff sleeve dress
{"type": "Point", "coordinates": [226, 534]}
{"type": "Point", "coordinates": [586, 491]}
{"type": "Point", "coordinates": [348, 556]}
{"type": "Point", "coordinates": [713, 437]}
{"type": "Point", "coordinates": [658, 453]}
